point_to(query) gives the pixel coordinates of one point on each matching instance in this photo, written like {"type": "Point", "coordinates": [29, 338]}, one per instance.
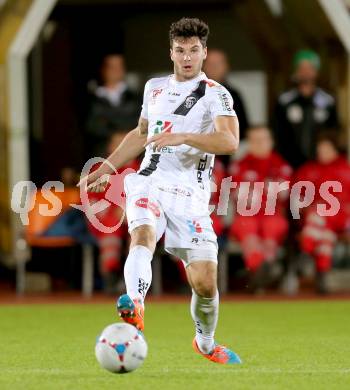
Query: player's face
{"type": "Point", "coordinates": [326, 152]}
{"type": "Point", "coordinates": [260, 143]}
{"type": "Point", "coordinates": [188, 56]}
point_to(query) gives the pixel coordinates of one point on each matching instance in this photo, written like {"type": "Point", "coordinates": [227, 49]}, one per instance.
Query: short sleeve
{"type": "Point", "coordinates": [144, 111]}
{"type": "Point", "coordinates": [220, 102]}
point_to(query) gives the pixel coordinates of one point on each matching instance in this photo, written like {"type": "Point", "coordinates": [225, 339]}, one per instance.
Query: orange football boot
{"type": "Point", "coordinates": [220, 354]}
{"type": "Point", "coordinates": [131, 311]}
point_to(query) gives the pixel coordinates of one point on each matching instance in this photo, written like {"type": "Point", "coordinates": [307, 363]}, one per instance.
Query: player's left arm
{"type": "Point", "coordinates": [224, 139]}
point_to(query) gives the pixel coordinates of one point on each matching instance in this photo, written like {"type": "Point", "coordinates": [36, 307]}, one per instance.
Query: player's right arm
{"type": "Point", "coordinates": [131, 147]}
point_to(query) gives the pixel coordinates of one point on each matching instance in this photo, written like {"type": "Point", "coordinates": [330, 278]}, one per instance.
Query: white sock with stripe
{"type": "Point", "coordinates": [205, 313]}
{"type": "Point", "coordinates": [138, 272]}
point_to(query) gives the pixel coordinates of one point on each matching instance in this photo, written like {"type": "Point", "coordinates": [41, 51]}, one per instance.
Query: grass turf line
{"type": "Point", "coordinates": [283, 345]}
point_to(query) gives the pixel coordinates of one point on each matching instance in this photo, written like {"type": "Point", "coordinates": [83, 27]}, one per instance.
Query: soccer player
{"type": "Point", "coordinates": [186, 119]}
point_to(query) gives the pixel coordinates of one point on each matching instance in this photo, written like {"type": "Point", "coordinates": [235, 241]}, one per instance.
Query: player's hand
{"type": "Point", "coordinates": [94, 182]}
{"type": "Point", "coordinates": [165, 139]}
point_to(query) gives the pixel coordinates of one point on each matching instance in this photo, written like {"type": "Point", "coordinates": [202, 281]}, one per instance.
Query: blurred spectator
{"type": "Point", "coordinates": [70, 222]}
{"type": "Point", "coordinates": [217, 67]}
{"type": "Point", "coordinates": [260, 235]}
{"type": "Point", "coordinates": [319, 233]}
{"type": "Point", "coordinates": [303, 111]}
{"type": "Point", "coordinates": [114, 107]}
{"type": "Point", "coordinates": [111, 244]}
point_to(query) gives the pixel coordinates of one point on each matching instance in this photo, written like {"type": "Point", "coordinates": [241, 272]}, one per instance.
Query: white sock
{"type": "Point", "coordinates": [205, 312]}
{"type": "Point", "coordinates": [138, 272]}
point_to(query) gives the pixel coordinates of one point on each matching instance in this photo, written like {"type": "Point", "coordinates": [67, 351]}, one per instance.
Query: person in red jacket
{"type": "Point", "coordinates": [259, 235]}
{"type": "Point", "coordinates": [319, 232]}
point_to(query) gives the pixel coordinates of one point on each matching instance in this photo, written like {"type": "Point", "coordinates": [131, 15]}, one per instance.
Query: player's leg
{"type": "Point", "coordinates": [202, 276]}
{"type": "Point", "coordinates": [194, 242]}
{"type": "Point", "coordinates": [146, 221]}
{"type": "Point", "coordinates": [137, 269]}
{"type": "Point", "coordinates": [137, 275]}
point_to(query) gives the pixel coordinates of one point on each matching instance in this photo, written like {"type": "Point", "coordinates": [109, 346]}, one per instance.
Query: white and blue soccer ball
{"type": "Point", "coordinates": [121, 348]}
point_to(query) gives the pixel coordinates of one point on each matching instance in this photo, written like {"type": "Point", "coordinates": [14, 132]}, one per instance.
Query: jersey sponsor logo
{"type": "Point", "coordinates": [192, 99]}
{"type": "Point", "coordinates": [173, 93]}
{"type": "Point", "coordinates": [175, 191]}
{"type": "Point", "coordinates": [146, 204]}
{"type": "Point", "coordinates": [194, 226]}
{"type": "Point", "coordinates": [200, 169]}
{"type": "Point", "coordinates": [162, 127]}
{"type": "Point", "coordinates": [225, 101]}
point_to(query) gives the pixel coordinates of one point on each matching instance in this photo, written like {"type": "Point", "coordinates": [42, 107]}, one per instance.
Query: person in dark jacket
{"type": "Point", "coordinates": [302, 112]}
{"type": "Point", "coordinates": [114, 107]}
{"type": "Point", "coordinates": [217, 67]}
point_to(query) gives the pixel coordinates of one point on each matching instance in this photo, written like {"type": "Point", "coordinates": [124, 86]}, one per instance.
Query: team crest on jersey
{"type": "Point", "coordinates": [156, 92]}
{"type": "Point", "coordinates": [190, 102]}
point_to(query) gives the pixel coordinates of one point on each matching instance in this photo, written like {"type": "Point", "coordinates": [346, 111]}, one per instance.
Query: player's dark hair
{"type": "Point", "coordinates": [187, 28]}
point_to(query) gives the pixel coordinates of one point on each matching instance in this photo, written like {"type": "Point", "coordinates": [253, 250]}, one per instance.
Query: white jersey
{"type": "Point", "coordinates": [182, 107]}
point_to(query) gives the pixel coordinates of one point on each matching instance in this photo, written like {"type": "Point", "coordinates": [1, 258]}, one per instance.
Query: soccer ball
{"type": "Point", "coordinates": [121, 348]}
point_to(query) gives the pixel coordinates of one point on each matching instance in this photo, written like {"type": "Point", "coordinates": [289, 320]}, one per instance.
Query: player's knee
{"type": "Point", "coordinates": [144, 235]}
{"type": "Point", "coordinates": [205, 287]}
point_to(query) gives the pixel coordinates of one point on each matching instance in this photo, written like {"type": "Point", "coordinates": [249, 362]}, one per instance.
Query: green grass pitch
{"type": "Point", "coordinates": [283, 345]}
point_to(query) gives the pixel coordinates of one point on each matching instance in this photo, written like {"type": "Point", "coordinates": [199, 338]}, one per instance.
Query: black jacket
{"type": "Point", "coordinates": [297, 122]}
{"type": "Point", "coordinates": [104, 119]}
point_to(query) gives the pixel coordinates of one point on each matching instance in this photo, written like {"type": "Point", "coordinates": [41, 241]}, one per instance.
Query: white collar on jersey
{"type": "Point", "coordinates": [187, 83]}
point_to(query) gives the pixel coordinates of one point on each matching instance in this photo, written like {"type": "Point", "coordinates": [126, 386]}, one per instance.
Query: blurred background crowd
{"type": "Point", "coordinates": [284, 70]}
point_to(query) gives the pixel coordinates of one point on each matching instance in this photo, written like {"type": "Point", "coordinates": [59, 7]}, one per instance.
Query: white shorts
{"type": "Point", "coordinates": [169, 209]}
